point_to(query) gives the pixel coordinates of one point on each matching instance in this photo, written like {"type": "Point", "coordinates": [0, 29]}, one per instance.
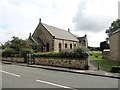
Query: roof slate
{"type": "Point", "coordinates": [60, 33]}
{"type": "Point", "coordinates": [38, 40]}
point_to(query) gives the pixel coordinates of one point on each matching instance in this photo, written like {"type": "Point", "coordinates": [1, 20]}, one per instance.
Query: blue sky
{"type": "Point", "coordinates": [91, 17]}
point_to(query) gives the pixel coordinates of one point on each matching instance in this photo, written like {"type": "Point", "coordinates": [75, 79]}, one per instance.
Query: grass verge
{"type": "Point", "coordinates": [104, 63]}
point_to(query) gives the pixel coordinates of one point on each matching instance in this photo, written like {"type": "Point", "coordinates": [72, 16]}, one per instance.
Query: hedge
{"type": "Point", "coordinates": [76, 53]}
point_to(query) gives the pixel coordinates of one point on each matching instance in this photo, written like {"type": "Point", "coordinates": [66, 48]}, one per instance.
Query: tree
{"type": "Point", "coordinates": [16, 47]}
{"type": "Point", "coordinates": [104, 45]}
{"type": "Point", "coordinates": [17, 44]}
{"type": "Point", "coordinates": [115, 25]}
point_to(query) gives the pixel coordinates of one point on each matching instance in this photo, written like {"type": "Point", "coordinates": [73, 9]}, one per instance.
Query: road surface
{"type": "Point", "coordinates": [14, 76]}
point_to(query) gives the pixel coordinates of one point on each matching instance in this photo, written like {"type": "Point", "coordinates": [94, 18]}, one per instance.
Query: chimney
{"type": "Point", "coordinates": [40, 20]}
{"type": "Point", "coordinates": [68, 30]}
{"type": "Point", "coordinates": [29, 34]}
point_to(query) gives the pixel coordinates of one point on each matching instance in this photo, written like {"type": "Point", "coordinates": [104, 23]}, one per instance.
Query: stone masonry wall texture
{"type": "Point", "coordinates": [57, 41]}
{"type": "Point", "coordinates": [76, 64]}
{"type": "Point", "coordinates": [115, 46]}
{"type": "Point", "coordinates": [45, 35]}
{"type": "Point", "coordinates": [67, 63]}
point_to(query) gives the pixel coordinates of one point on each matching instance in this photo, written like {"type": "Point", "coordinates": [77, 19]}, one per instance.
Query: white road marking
{"type": "Point", "coordinates": [10, 73]}
{"type": "Point", "coordinates": [58, 85]}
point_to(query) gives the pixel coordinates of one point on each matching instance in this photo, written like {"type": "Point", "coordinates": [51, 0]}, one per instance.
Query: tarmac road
{"type": "Point", "coordinates": [14, 76]}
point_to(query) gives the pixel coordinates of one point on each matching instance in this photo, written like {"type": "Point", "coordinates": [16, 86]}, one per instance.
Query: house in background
{"type": "Point", "coordinates": [83, 41]}
{"type": "Point", "coordinates": [114, 41]}
{"type": "Point", "coordinates": [50, 38]}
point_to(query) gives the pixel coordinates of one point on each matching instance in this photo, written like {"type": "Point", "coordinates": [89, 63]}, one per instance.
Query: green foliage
{"type": "Point", "coordinates": [17, 44]}
{"type": "Point", "coordinates": [8, 52]}
{"type": "Point", "coordinates": [104, 45]}
{"type": "Point", "coordinates": [115, 25]}
{"type": "Point", "coordinates": [104, 63]}
{"type": "Point", "coordinates": [16, 47]}
{"type": "Point", "coordinates": [96, 53]}
{"type": "Point", "coordinates": [24, 52]}
{"type": "Point", "coordinates": [94, 48]}
{"type": "Point", "coordinates": [77, 53]}
{"type": "Point", "coordinates": [20, 48]}
{"type": "Point", "coordinates": [47, 54]}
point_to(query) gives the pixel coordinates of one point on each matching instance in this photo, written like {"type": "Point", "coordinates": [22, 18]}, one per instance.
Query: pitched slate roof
{"type": "Point", "coordinates": [38, 40]}
{"type": "Point", "coordinates": [60, 33]}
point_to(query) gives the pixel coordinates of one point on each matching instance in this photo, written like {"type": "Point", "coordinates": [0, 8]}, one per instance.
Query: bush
{"type": "Point", "coordinates": [24, 52]}
{"type": "Point", "coordinates": [47, 54]}
{"type": "Point", "coordinates": [8, 52]}
{"type": "Point", "coordinates": [77, 53]}
{"type": "Point", "coordinates": [66, 53]}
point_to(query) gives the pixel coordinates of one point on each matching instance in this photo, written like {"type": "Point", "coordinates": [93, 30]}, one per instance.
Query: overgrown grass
{"type": "Point", "coordinates": [105, 63]}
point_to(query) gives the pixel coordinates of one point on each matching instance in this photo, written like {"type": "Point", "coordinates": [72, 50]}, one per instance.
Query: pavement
{"type": "Point", "coordinates": [92, 71]}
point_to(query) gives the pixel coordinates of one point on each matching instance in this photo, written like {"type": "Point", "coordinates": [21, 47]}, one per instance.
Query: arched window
{"type": "Point", "coordinates": [47, 47]}
{"type": "Point", "coordinates": [70, 46]}
{"type": "Point", "coordinates": [74, 45]}
{"type": "Point", "coordinates": [60, 47]}
{"type": "Point", "coordinates": [65, 45]}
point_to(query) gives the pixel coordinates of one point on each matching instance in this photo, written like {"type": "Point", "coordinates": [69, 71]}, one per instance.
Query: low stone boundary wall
{"type": "Point", "coordinates": [67, 63]}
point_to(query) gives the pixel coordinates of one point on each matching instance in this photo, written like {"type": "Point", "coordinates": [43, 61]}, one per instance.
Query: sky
{"type": "Point", "coordinates": [90, 17]}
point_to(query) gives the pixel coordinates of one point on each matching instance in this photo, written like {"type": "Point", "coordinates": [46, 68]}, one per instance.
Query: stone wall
{"type": "Point", "coordinates": [119, 45]}
{"type": "Point", "coordinates": [44, 35]}
{"type": "Point", "coordinates": [115, 46]}
{"type": "Point", "coordinates": [63, 42]}
{"type": "Point", "coordinates": [67, 63]}
{"type": "Point", "coordinates": [106, 54]}
{"type": "Point", "coordinates": [77, 64]}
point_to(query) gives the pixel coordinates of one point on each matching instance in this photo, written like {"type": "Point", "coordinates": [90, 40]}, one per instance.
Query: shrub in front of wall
{"type": "Point", "coordinates": [47, 54]}
{"type": "Point", "coordinates": [24, 52]}
{"type": "Point", "coordinates": [76, 53]}
{"type": "Point", "coordinates": [8, 52]}
{"type": "Point", "coordinates": [66, 53]}
{"type": "Point", "coordinates": [80, 53]}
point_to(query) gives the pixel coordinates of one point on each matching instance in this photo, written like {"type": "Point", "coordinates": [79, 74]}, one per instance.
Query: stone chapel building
{"type": "Point", "coordinates": [50, 38]}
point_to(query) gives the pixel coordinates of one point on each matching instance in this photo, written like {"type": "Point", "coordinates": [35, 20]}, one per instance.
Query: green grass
{"type": "Point", "coordinates": [96, 53]}
{"type": "Point", "coordinates": [105, 63]}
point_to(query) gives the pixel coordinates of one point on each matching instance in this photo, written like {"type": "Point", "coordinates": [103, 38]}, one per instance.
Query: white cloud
{"type": "Point", "coordinates": [17, 20]}
{"type": "Point", "coordinates": [20, 17]}
{"type": "Point", "coordinates": [95, 15]}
